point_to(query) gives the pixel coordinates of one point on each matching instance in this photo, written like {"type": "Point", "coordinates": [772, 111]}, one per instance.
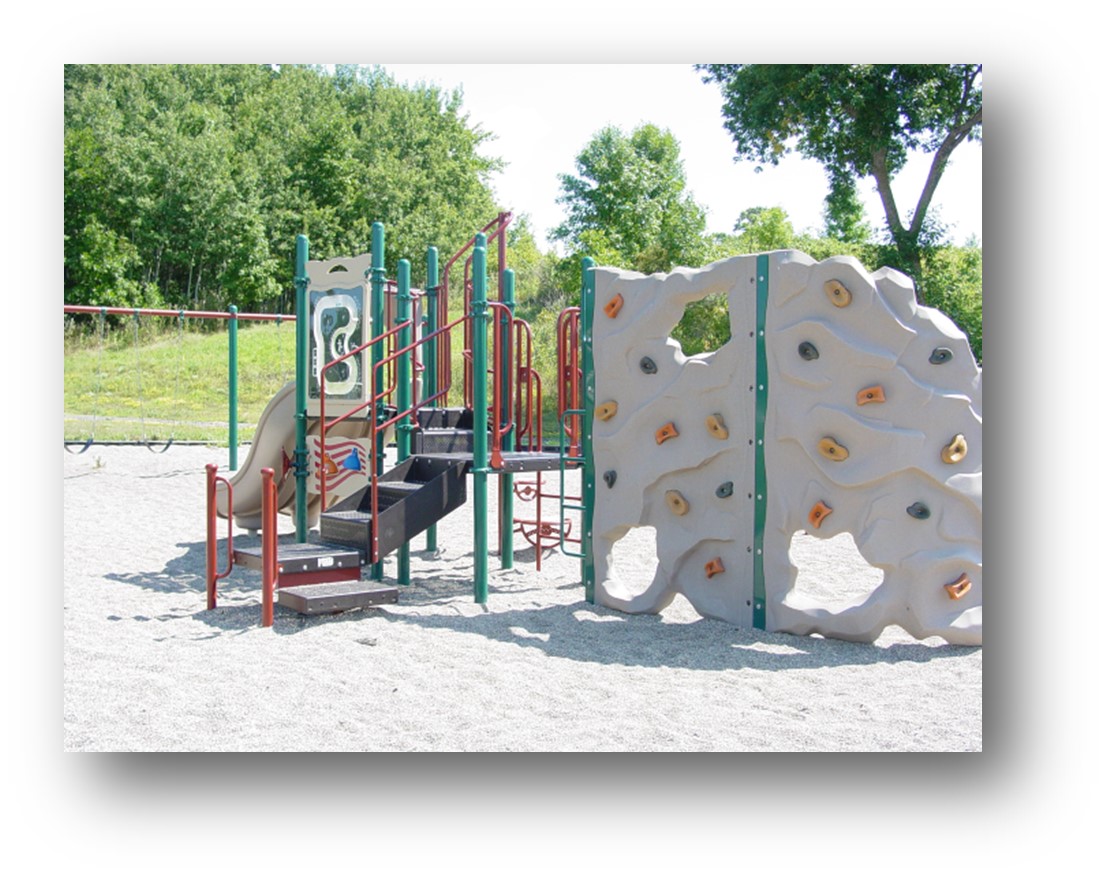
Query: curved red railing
{"type": "Point", "coordinates": [270, 569]}
{"type": "Point", "coordinates": [211, 577]}
{"type": "Point", "coordinates": [569, 381]}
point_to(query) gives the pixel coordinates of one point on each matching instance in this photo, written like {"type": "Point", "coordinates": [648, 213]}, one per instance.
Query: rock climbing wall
{"type": "Point", "coordinates": [839, 405]}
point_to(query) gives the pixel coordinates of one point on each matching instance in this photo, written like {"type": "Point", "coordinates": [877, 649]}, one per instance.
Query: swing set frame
{"type": "Point", "coordinates": [232, 317]}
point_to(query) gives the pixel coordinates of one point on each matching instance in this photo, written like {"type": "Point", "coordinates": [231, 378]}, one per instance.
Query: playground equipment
{"type": "Point", "coordinates": [838, 405]}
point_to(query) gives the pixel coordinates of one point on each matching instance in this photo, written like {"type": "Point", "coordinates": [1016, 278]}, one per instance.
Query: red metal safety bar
{"type": "Point", "coordinates": [211, 576]}
{"type": "Point", "coordinates": [181, 313]}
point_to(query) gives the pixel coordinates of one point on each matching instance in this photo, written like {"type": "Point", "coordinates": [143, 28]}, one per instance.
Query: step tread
{"type": "Point", "coordinates": [336, 597]}
{"type": "Point", "coordinates": [323, 556]}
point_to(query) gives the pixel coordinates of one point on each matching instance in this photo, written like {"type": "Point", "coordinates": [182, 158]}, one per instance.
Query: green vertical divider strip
{"type": "Point", "coordinates": [481, 466]}
{"type": "Point", "coordinates": [432, 289]}
{"type": "Point", "coordinates": [404, 392]}
{"type": "Point", "coordinates": [586, 322]}
{"type": "Point", "coordinates": [233, 389]}
{"type": "Point", "coordinates": [301, 406]}
{"type": "Point", "coordinates": [378, 321]}
{"type": "Point", "coordinates": [760, 503]}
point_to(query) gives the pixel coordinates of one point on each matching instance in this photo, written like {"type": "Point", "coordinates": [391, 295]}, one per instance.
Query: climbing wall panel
{"type": "Point", "coordinates": [839, 405]}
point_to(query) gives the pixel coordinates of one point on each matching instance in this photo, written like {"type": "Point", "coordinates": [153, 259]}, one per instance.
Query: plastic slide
{"type": "Point", "coordinates": [275, 440]}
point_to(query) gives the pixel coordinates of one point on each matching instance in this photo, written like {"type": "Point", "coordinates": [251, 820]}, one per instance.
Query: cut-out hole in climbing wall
{"type": "Point", "coordinates": [831, 572]}
{"type": "Point", "coordinates": [704, 326]}
{"type": "Point", "coordinates": [633, 560]}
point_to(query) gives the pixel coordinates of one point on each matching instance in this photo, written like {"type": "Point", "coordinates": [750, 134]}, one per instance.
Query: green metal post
{"type": "Point", "coordinates": [432, 288]}
{"type": "Point", "coordinates": [481, 458]}
{"type": "Point", "coordinates": [301, 406]}
{"type": "Point", "coordinates": [505, 481]}
{"type": "Point", "coordinates": [233, 389]}
{"type": "Point", "coordinates": [759, 589]}
{"type": "Point", "coordinates": [586, 322]}
{"type": "Point", "coordinates": [404, 393]}
{"type": "Point", "coordinates": [378, 322]}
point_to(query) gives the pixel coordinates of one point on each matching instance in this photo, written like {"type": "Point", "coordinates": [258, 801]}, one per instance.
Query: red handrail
{"type": "Point", "coordinates": [569, 382]}
{"type": "Point", "coordinates": [183, 313]}
{"type": "Point", "coordinates": [270, 567]}
{"type": "Point", "coordinates": [211, 577]}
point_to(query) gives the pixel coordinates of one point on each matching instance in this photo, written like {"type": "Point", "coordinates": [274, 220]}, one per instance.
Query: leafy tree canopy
{"type": "Point", "coordinates": [628, 203]}
{"type": "Point", "coordinates": [857, 120]}
{"type": "Point", "coordinates": [188, 184]}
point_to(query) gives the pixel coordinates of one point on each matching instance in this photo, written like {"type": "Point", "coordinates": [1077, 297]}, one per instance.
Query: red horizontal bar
{"type": "Point", "coordinates": [184, 313]}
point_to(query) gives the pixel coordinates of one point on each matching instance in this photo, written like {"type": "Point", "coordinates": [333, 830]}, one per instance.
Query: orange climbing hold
{"type": "Point", "coordinates": [606, 410]}
{"type": "Point", "coordinates": [715, 425]}
{"type": "Point", "coordinates": [838, 294]}
{"type": "Point", "coordinates": [955, 450]}
{"type": "Point", "coordinates": [830, 449]}
{"type": "Point", "coordinates": [677, 502]}
{"type": "Point", "coordinates": [666, 433]}
{"type": "Point", "coordinates": [958, 588]}
{"type": "Point", "coordinates": [614, 306]}
{"type": "Point", "coordinates": [871, 395]}
{"type": "Point", "coordinates": [819, 513]}
{"type": "Point", "coordinates": [714, 567]}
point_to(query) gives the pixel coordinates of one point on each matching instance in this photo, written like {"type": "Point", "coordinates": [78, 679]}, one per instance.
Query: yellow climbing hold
{"type": "Point", "coordinates": [830, 449]}
{"type": "Point", "coordinates": [838, 294]}
{"type": "Point", "coordinates": [606, 410]}
{"type": "Point", "coordinates": [871, 395]}
{"type": "Point", "coordinates": [677, 502]}
{"type": "Point", "coordinates": [819, 513]}
{"type": "Point", "coordinates": [959, 587]}
{"type": "Point", "coordinates": [715, 425]}
{"type": "Point", "coordinates": [614, 306]}
{"type": "Point", "coordinates": [666, 433]}
{"type": "Point", "coordinates": [955, 450]}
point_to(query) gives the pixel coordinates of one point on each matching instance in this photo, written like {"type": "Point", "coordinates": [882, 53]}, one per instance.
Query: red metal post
{"type": "Point", "coordinates": [269, 546]}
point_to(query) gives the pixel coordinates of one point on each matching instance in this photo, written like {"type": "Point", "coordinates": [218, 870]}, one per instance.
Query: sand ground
{"type": "Point", "coordinates": [148, 668]}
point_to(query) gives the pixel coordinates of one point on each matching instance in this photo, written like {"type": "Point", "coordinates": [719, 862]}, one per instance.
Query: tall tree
{"type": "Point", "coordinates": [860, 120]}
{"type": "Point", "coordinates": [628, 202]}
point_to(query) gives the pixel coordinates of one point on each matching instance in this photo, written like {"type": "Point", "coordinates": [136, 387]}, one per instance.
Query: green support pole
{"type": "Point", "coordinates": [432, 289]}
{"type": "Point", "coordinates": [481, 458]}
{"type": "Point", "coordinates": [586, 322]}
{"type": "Point", "coordinates": [378, 325]}
{"type": "Point", "coordinates": [404, 393]}
{"type": "Point", "coordinates": [233, 389]}
{"type": "Point", "coordinates": [505, 481]}
{"type": "Point", "coordinates": [759, 589]}
{"type": "Point", "coordinates": [301, 406]}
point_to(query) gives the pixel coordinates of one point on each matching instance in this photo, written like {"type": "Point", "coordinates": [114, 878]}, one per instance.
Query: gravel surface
{"type": "Point", "coordinates": [148, 668]}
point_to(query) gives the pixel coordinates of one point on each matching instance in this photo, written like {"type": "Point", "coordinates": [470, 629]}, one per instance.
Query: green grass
{"type": "Point", "coordinates": [175, 386]}
{"type": "Point", "coordinates": [170, 385]}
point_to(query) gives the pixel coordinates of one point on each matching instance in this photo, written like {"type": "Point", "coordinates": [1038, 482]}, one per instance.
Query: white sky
{"type": "Point", "coordinates": [544, 114]}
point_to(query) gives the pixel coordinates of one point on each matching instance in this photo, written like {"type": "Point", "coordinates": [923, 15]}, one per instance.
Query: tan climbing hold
{"type": "Point", "coordinates": [871, 395]}
{"type": "Point", "coordinates": [666, 433]}
{"type": "Point", "coordinates": [955, 450]}
{"type": "Point", "coordinates": [830, 449]}
{"type": "Point", "coordinates": [715, 425]}
{"type": "Point", "coordinates": [819, 513]}
{"type": "Point", "coordinates": [838, 294]}
{"type": "Point", "coordinates": [958, 588]}
{"type": "Point", "coordinates": [714, 567]}
{"type": "Point", "coordinates": [606, 410]}
{"type": "Point", "coordinates": [677, 502]}
{"type": "Point", "coordinates": [614, 306]}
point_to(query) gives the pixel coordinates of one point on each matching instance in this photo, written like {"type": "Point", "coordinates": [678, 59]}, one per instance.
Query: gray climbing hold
{"type": "Point", "coordinates": [647, 365]}
{"type": "Point", "coordinates": [725, 490]}
{"type": "Point", "coordinates": [918, 510]}
{"type": "Point", "coordinates": [609, 477]}
{"type": "Point", "coordinates": [941, 355]}
{"type": "Point", "coordinates": [808, 350]}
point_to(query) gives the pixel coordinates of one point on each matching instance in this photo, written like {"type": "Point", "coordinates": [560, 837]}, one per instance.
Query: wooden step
{"type": "Point", "coordinates": [335, 597]}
